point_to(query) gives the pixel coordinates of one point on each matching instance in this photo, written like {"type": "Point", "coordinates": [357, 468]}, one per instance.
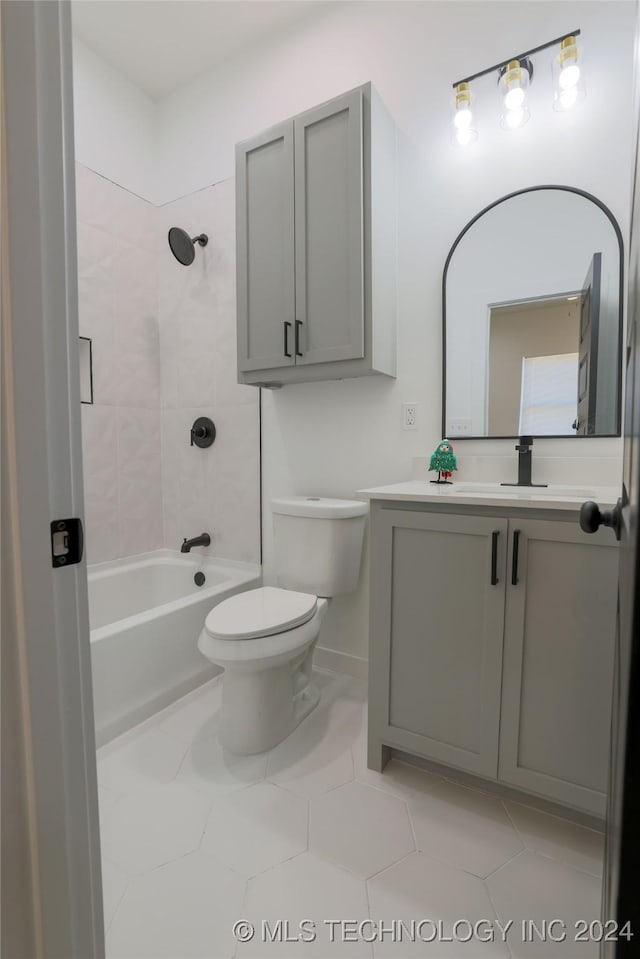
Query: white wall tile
{"type": "Point", "coordinates": [100, 456]}
{"type": "Point", "coordinates": [139, 489]}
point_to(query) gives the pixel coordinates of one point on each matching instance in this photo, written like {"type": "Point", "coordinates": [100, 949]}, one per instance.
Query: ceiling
{"type": "Point", "coordinates": [162, 44]}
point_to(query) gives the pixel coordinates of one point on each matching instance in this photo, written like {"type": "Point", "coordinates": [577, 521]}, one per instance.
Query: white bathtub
{"type": "Point", "coordinates": [146, 613]}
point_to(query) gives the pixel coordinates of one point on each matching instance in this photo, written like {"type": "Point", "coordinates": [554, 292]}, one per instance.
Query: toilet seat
{"type": "Point", "coordinates": [260, 612]}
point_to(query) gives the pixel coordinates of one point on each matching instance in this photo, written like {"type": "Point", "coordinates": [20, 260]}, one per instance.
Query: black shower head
{"type": "Point", "coordinates": [183, 246]}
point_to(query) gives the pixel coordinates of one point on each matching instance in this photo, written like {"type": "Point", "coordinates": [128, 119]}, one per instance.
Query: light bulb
{"type": "Point", "coordinates": [567, 98]}
{"type": "Point", "coordinates": [514, 118]}
{"type": "Point", "coordinates": [569, 76]}
{"type": "Point", "coordinates": [514, 98]}
{"type": "Point", "coordinates": [462, 118]}
{"type": "Point", "coordinates": [464, 135]}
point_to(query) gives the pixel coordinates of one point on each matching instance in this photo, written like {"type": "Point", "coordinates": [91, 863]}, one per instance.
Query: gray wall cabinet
{"type": "Point", "coordinates": [315, 210]}
{"type": "Point", "coordinates": [497, 664]}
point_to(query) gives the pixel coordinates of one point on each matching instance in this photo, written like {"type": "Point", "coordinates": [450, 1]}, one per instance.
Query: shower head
{"type": "Point", "coordinates": [183, 246]}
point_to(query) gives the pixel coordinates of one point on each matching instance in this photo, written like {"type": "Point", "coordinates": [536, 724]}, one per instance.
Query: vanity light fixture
{"type": "Point", "coordinates": [463, 130]}
{"type": "Point", "coordinates": [514, 79]}
{"type": "Point", "coordinates": [568, 76]}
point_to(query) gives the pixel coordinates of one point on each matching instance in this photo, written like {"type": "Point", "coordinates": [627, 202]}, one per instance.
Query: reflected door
{"type": "Point", "coordinates": [588, 352]}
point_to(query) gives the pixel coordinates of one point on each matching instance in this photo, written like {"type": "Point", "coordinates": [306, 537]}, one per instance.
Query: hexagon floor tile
{"type": "Point", "coordinates": [114, 883]}
{"type": "Point", "coordinates": [304, 889]}
{"type": "Point", "coordinates": [422, 888]}
{"type": "Point", "coordinates": [464, 827]}
{"type": "Point", "coordinates": [533, 887]}
{"type": "Point", "coordinates": [361, 828]}
{"type": "Point", "coordinates": [195, 714]}
{"type": "Point", "coordinates": [183, 910]}
{"type": "Point", "coordinates": [138, 760]}
{"type": "Point", "coordinates": [256, 828]}
{"type": "Point", "coordinates": [316, 757]}
{"type": "Point", "coordinates": [398, 777]}
{"type": "Point", "coordinates": [184, 824]}
{"type": "Point", "coordinates": [558, 838]}
{"type": "Point", "coordinates": [152, 827]}
{"type": "Point", "coordinates": [213, 771]}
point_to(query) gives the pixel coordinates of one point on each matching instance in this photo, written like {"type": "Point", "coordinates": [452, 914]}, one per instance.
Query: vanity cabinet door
{"type": "Point", "coordinates": [560, 616]}
{"type": "Point", "coordinates": [437, 609]}
{"type": "Point", "coordinates": [265, 250]}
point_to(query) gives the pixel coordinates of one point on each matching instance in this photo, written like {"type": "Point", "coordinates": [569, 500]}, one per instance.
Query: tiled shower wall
{"type": "Point", "coordinates": [215, 490]}
{"type": "Point", "coordinates": [118, 309]}
{"type": "Point", "coordinates": [163, 353]}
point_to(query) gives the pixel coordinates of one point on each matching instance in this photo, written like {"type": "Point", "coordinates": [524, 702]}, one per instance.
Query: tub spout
{"type": "Point", "coordinates": [187, 544]}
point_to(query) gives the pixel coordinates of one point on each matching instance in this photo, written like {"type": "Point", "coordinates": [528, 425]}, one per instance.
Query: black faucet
{"type": "Point", "coordinates": [203, 540]}
{"type": "Point", "coordinates": [524, 463]}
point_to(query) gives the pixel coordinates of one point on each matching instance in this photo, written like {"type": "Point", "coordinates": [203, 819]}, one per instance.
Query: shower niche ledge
{"type": "Point", "coordinates": [315, 211]}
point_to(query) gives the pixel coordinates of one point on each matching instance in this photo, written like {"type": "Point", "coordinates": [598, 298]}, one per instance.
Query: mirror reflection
{"type": "Point", "coordinates": [532, 319]}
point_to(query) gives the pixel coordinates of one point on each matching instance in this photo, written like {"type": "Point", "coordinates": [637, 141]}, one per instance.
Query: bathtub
{"type": "Point", "coordinates": [146, 613]}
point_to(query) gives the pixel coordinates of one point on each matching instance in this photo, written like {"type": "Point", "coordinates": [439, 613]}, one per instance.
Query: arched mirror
{"type": "Point", "coordinates": [532, 319]}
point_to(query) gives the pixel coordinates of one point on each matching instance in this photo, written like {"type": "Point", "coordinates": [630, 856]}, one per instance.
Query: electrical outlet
{"type": "Point", "coordinates": [460, 427]}
{"type": "Point", "coordinates": [409, 416]}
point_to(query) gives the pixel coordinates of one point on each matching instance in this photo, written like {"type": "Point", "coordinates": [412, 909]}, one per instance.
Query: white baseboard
{"type": "Point", "coordinates": [341, 662]}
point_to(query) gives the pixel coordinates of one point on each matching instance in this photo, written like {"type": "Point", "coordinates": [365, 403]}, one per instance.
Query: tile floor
{"type": "Point", "coordinates": [194, 839]}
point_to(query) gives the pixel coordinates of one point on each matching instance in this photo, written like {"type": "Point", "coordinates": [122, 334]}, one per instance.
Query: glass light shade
{"type": "Point", "coordinates": [513, 85]}
{"type": "Point", "coordinates": [463, 130]}
{"type": "Point", "coordinates": [465, 135]}
{"type": "Point", "coordinates": [568, 75]}
{"type": "Point", "coordinates": [512, 119]}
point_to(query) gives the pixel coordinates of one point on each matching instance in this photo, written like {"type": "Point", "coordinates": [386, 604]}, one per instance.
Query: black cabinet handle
{"type": "Point", "coordinates": [286, 338]}
{"type": "Point", "coordinates": [514, 558]}
{"type": "Point", "coordinates": [298, 325]}
{"type": "Point", "coordinates": [494, 557]}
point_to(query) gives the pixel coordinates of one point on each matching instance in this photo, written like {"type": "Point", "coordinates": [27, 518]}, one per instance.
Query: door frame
{"type": "Point", "coordinates": [45, 610]}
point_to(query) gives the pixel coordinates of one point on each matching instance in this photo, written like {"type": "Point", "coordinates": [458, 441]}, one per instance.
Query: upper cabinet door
{"type": "Point", "coordinates": [265, 249]}
{"type": "Point", "coordinates": [329, 232]}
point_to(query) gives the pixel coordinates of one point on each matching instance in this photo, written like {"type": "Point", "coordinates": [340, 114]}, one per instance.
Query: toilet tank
{"type": "Point", "coordinates": [318, 543]}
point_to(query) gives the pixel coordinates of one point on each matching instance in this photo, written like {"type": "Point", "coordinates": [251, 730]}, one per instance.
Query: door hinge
{"type": "Point", "coordinates": [67, 541]}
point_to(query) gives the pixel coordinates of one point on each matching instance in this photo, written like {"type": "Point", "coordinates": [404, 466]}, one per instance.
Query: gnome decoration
{"type": "Point", "coordinates": [444, 461]}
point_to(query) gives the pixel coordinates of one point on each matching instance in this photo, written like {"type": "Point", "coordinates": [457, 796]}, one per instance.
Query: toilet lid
{"type": "Point", "coordinates": [259, 612]}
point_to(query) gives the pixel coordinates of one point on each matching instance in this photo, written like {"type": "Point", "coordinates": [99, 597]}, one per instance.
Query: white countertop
{"type": "Point", "coordinates": [554, 496]}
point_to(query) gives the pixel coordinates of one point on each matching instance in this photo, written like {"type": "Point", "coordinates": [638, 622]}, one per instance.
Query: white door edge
{"type": "Point", "coordinates": [55, 712]}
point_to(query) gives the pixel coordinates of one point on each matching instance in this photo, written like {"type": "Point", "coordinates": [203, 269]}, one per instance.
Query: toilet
{"type": "Point", "coordinates": [265, 638]}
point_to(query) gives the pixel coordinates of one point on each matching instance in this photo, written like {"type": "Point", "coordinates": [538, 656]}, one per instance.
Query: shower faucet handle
{"type": "Point", "coordinates": [203, 432]}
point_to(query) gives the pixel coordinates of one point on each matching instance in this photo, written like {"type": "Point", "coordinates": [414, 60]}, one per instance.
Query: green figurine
{"type": "Point", "coordinates": [443, 460]}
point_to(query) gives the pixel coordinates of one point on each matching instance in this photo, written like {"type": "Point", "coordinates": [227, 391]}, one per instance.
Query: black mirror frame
{"type": "Point", "coordinates": [532, 189]}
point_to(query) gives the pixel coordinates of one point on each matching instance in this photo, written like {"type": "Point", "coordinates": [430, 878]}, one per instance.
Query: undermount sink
{"type": "Point", "coordinates": [552, 490]}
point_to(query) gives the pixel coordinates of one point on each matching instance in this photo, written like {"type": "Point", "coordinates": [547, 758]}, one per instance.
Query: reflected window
{"type": "Point", "coordinates": [548, 398]}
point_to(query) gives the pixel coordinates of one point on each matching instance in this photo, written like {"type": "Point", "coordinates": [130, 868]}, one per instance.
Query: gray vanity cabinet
{"type": "Point", "coordinates": [557, 674]}
{"type": "Point", "coordinates": [315, 206]}
{"type": "Point", "coordinates": [494, 663]}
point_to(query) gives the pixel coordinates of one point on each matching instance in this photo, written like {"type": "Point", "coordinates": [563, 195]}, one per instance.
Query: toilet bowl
{"type": "Point", "coordinates": [264, 638]}
{"type": "Point", "coordinates": [267, 688]}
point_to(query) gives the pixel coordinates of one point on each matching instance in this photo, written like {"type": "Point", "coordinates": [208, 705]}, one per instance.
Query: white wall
{"type": "Point", "coordinates": [335, 438]}
{"type": "Point", "coordinates": [114, 124]}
